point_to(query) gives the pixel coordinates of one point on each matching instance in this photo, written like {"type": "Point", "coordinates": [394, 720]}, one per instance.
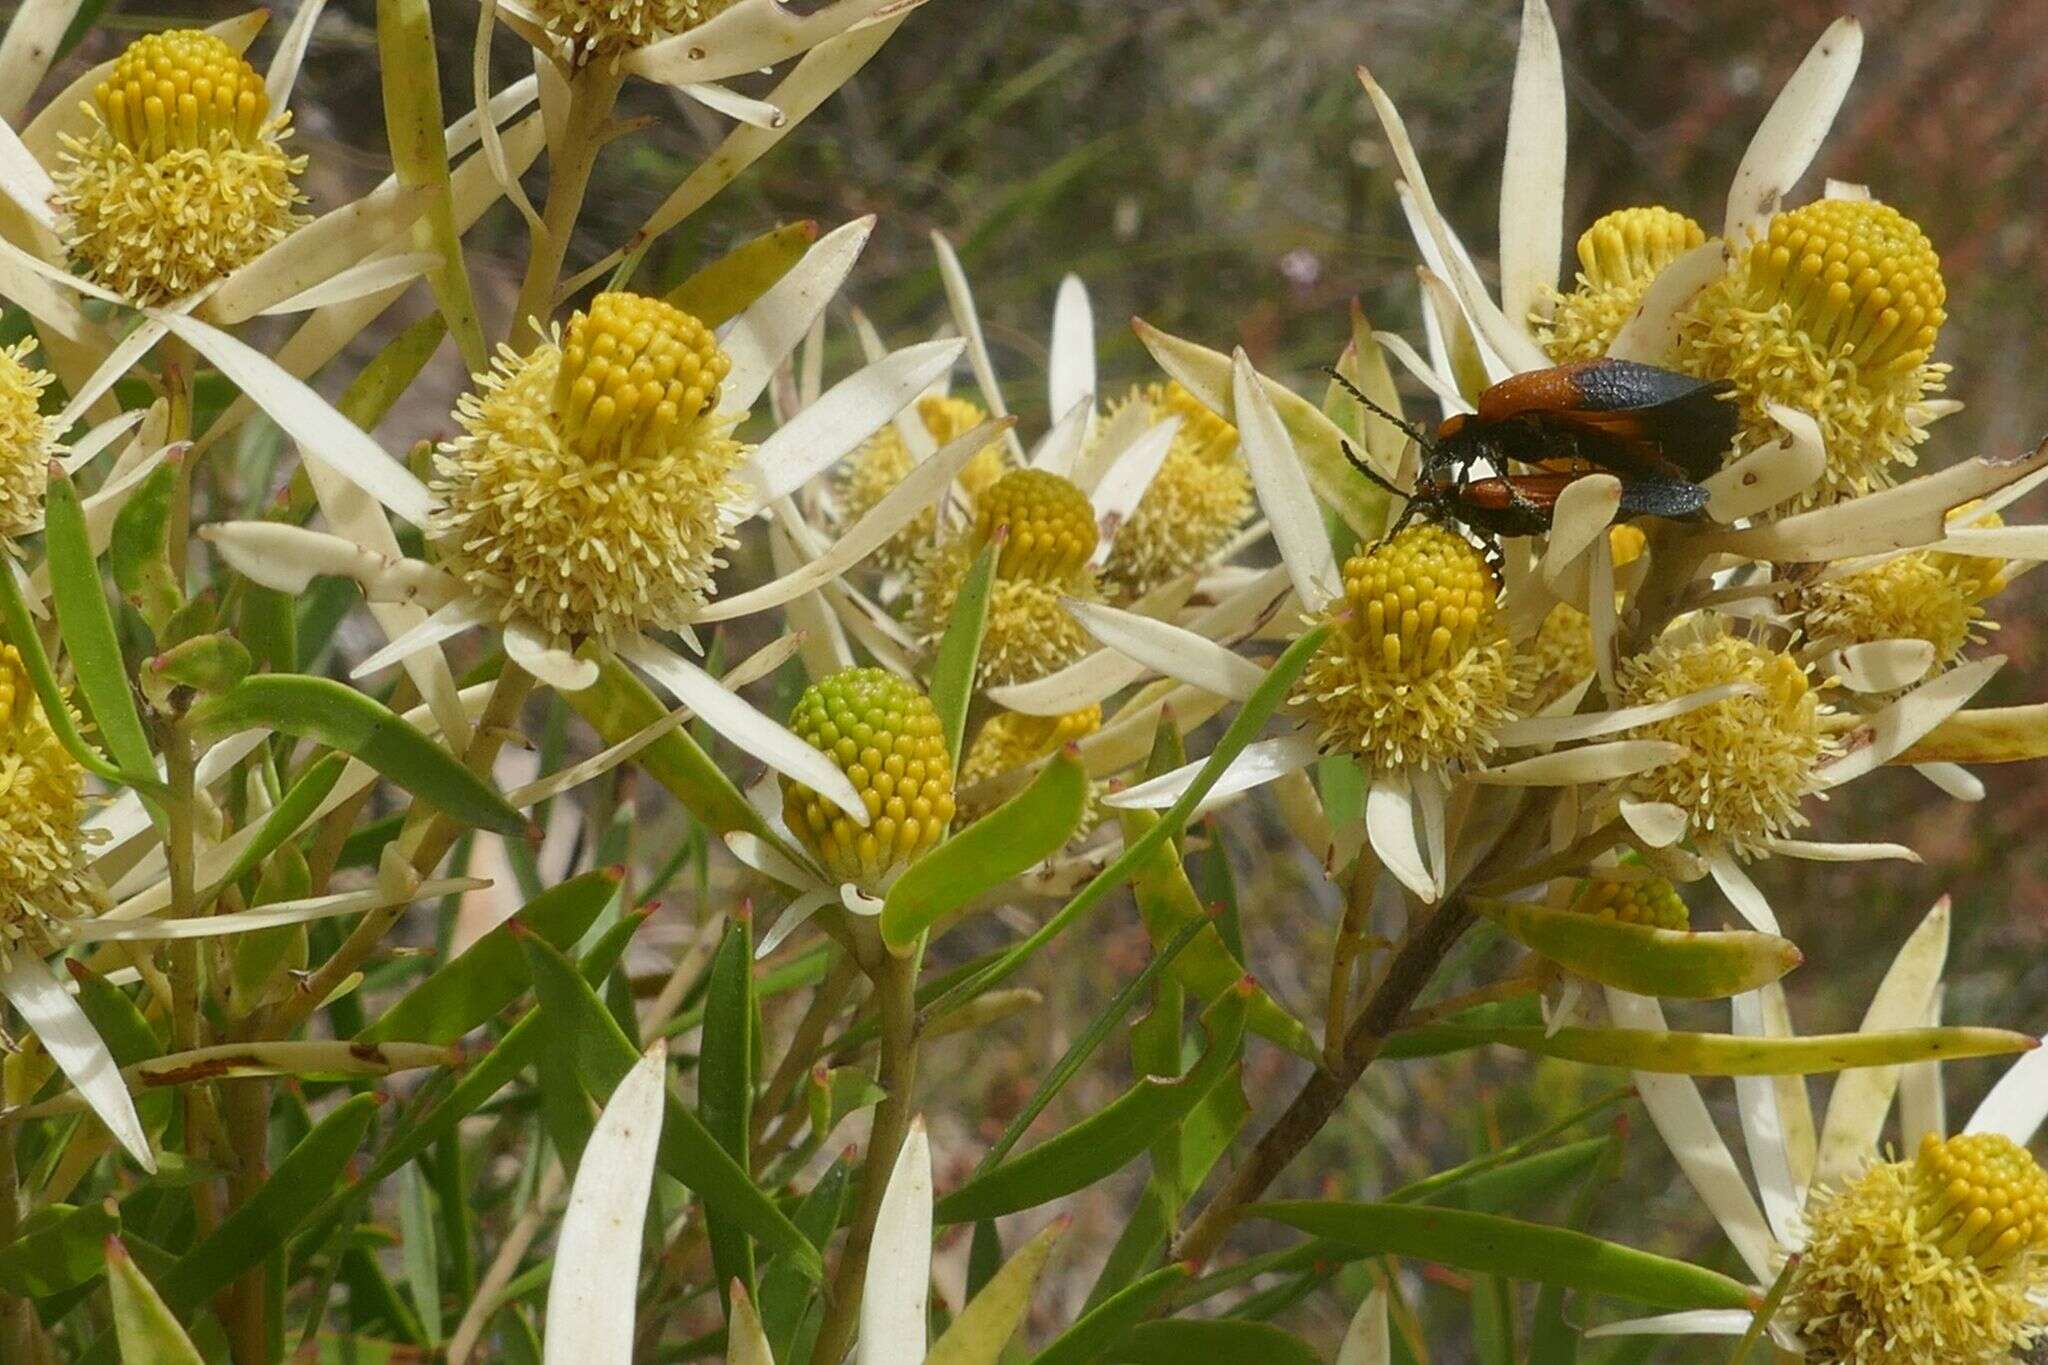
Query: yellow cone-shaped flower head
{"type": "Point", "coordinates": [43, 877]}
{"type": "Point", "coordinates": [1833, 311]}
{"type": "Point", "coordinates": [1618, 258]}
{"type": "Point", "coordinates": [1048, 535]}
{"type": "Point", "coordinates": [183, 176]}
{"type": "Point", "coordinates": [1050, 526]}
{"type": "Point", "coordinates": [879, 465]}
{"type": "Point", "coordinates": [883, 732]}
{"type": "Point", "coordinates": [1749, 760]}
{"type": "Point", "coordinates": [590, 492]}
{"type": "Point", "coordinates": [1195, 504]}
{"type": "Point", "coordinates": [1417, 674]}
{"type": "Point", "coordinates": [1652, 902]}
{"type": "Point", "coordinates": [25, 439]}
{"type": "Point", "coordinates": [1941, 1257]}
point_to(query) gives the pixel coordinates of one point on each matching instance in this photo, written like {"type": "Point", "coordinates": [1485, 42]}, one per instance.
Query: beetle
{"type": "Point", "coordinates": [1658, 430]}
{"type": "Point", "coordinates": [1524, 504]}
{"type": "Point", "coordinates": [1630, 419]}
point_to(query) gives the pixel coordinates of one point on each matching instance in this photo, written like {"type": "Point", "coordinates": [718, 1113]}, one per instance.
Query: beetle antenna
{"type": "Point", "coordinates": [1364, 466]}
{"type": "Point", "coordinates": [1426, 442]}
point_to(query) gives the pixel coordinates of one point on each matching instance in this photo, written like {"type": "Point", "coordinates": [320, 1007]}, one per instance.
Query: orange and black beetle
{"type": "Point", "coordinates": [1628, 419]}
{"type": "Point", "coordinates": [1659, 431]}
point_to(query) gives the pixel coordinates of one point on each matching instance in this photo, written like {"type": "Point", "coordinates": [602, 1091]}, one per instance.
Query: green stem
{"type": "Point", "coordinates": [593, 91]}
{"type": "Point", "coordinates": [896, 999]}
{"type": "Point", "coordinates": [17, 1315]}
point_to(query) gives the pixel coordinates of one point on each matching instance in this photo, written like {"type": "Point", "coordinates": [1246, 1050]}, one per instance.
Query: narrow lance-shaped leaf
{"type": "Point", "coordinates": [145, 1326]}
{"type": "Point", "coordinates": [895, 1300]}
{"type": "Point", "coordinates": [286, 817]}
{"type": "Point", "coordinates": [1489, 1244]}
{"type": "Point", "coordinates": [597, 1257]}
{"type": "Point", "coordinates": [1102, 1327]}
{"type": "Point", "coordinates": [88, 628]}
{"type": "Point", "coordinates": [720, 291]}
{"type": "Point", "coordinates": [491, 973]}
{"type": "Point", "coordinates": [1178, 1340]}
{"type": "Point", "coordinates": [1644, 959]}
{"type": "Point", "coordinates": [419, 155]}
{"type": "Point", "coordinates": [1720, 1054]}
{"type": "Point", "coordinates": [340, 717]}
{"type": "Point", "coordinates": [261, 1224]}
{"type": "Point", "coordinates": [959, 652]}
{"type": "Point", "coordinates": [61, 1249]}
{"type": "Point", "coordinates": [1013, 838]}
{"type": "Point", "coordinates": [1110, 1137]}
{"type": "Point", "coordinates": [1251, 718]}
{"type": "Point", "coordinates": [984, 1328]}
{"type": "Point", "coordinates": [725, 1089]}
{"type": "Point", "coordinates": [603, 1054]}
{"type": "Point", "coordinates": [139, 550]}
{"type": "Point", "coordinates": [1167, 902]}
{"type": "Point", "coordinates": [20, 631]}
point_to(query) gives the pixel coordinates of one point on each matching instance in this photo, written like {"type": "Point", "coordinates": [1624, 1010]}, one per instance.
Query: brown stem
{"type": "Point", "coordinates": [1410, 971]}
{"type": "Point", "coordinates": [1345, 952]}
{"type": "Point", "coordinates": [248, 1123]}
{"type": "Point", "coordinates": [593, 91]}
{"type": "Point", "coordinates": [17, 1315]}
{"type": "Point", "coordinates": [805, 1043]}
{"type": "Point", "coordinates": [428, 837]}
{"type": "Point", "coordinates": [896, 997]}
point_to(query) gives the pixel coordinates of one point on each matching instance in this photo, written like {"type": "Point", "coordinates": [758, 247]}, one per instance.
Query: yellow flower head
{"type": "Point", "coordinates": [1654, 902]}
{"type": "Point", "coordinates": [1560, 655]}
{"type": "Point", "coordinates": [1418, 674]}
{"type": "Point", "coordinates": [1618, 257]}
{"type": "Point", "coordinates": [26, 437]}
{"type": "Point", "coordinates": [590, 489]}
{"type": "Point", "coordinates": [1011, 739]}
{"type": "Point", "coordinates": [1940, 1258]}
{"type": "Point", "coordinates": [1833, 311]}
{"type": "Point", "coordinates": [1929, 595]}
{"type": "Point", "coordinates": [610, 28]}
{"type": "Point", "coordinates": [43, 876]}
{"type": "Point", "coordinates": [1049, 534]}
{"type": "Point", "coordinates": [880, 465]}
{"type": "Point", "coordinates": [883, 732]}
{"type": "Point", "coordinates": [1749, 760]}
{"type": "Point", "coordinates": [183, 175]}
{"type": "Point", "coordinates": [1196, 502]}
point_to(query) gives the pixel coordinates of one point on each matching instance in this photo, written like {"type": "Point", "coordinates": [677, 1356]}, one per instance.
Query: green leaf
{"type": "Point", "coordinates": [491, 973]}
{"type": "Point", "coordinates": [1213, 1342]}
{"type": "Point", "coordinates": [1721, 1054]}
{"type": "Point", "coordinates": [62, 1248]}
{"type": "Point", "coordinates": [1649, 961]}
{"type": "Point", "coordinates": [1104, 1326]}
{"type": "Point", "coordinates": [284, 819]}
{"type": "Point", "coordinates": [338, 716]}
{"type": "Point", "coordinates": [619, 706]}
{"type": "Point", "coordinates": [1554, 1340]}
{"type": "Point", "coordinates": [1489, 1244]}
{"type": "Point", "coordinates": [88, 629]}
{"type": "Point", "coordinates": [260, 1225]}
{"type": "Point", "coordinates": [139, 550]}
{"type": "Point", "coordinates": [991, 1318]}
{"type": "Point", "coordinates": [789, 1297]}
{"type": "Point", "coordinates": [1107, 1139]}
{"type": "Point", "coordinates": [722, 290]}
{"type": "Point", "coordinates": [21, 632]}
{"type": "Point", "coordinates": [1251, 718]}
{"type": "Point", "coordinates": [1525, 1180]}
{"type": "Point", "coordinates": [419, 1253]}
{"type": "Point", "coordinates": [959, 652]}
{"type": "Point", "coordinates": [725, 1090]}
{"type": "Point", "coordinates": [603, 1054]}
{"type": "Point", "coordinates": [419, 156]}
{"type": "Point", "coordinates": [1167, 903]}
{"type": "Point", "coordinates": [1011, 839]}
{"type": "Point", "coordinates": [145, 1326]}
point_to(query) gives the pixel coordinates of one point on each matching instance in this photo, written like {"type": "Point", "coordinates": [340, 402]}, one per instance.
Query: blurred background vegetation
{"type": "Point", "coordinates": [1212, 166]}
